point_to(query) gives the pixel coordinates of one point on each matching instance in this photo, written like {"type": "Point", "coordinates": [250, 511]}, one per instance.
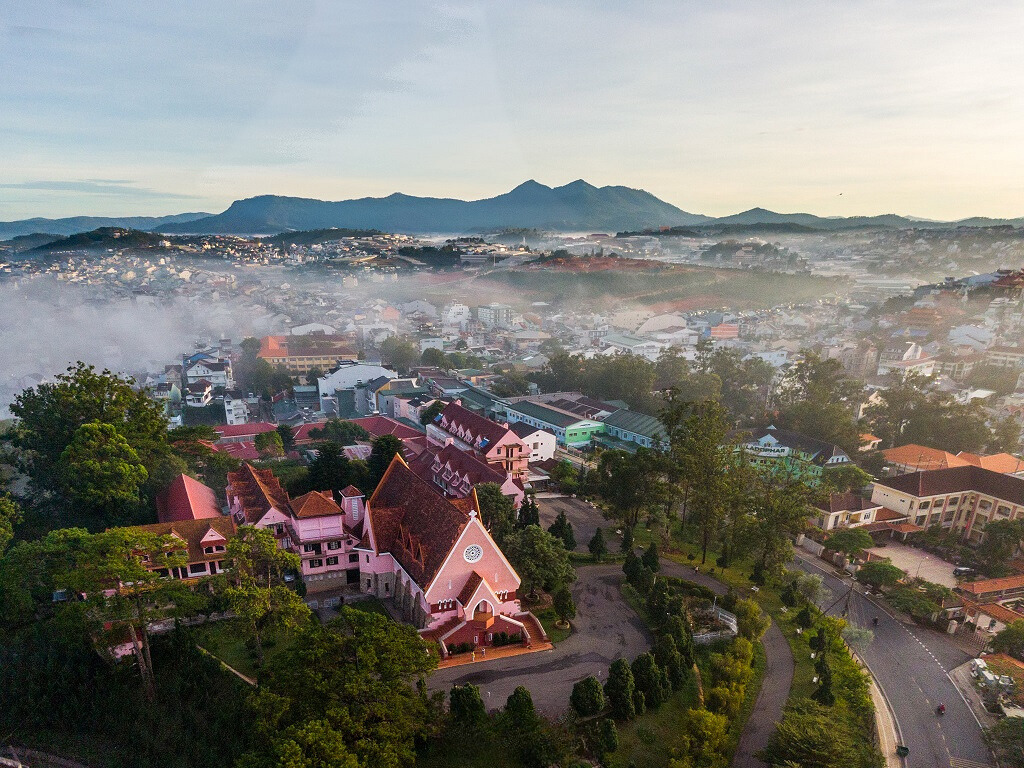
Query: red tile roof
{"type": "Point", "coordinates": [186, 499]}
{"type": "Point", "coordinates": [351, 491]}
{"type": "Point", "coordinates": [455, 467]}
{"type": "Point", "coordinates": [984, 586]}
{"type": "Point", "coordinates": [921, 457]}
{"type": "Point", "coordinates": [315, 504]}
{"type": "Point", "coordinates": [413, 522]}
{"type": "Point", "coordinates": [244, 430]}
{"type": "Point", "coordinates": [384, 425]}
{"type": "Point", "coordinates": [842, 502]}
{"type": "Point", "coordinates": [192, 532]}
{"type": "Point", "coordinates": [258, 490]}
{"type": "Point", "coordinates": [474, 426]}
{"type": "Point", "coordinates": [242, 451]}
{"type": "Point", "coordinates": [939, 482]}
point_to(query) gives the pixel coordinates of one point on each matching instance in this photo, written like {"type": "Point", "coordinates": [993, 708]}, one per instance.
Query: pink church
{"type": "Point", "coordinates": [435, 560]}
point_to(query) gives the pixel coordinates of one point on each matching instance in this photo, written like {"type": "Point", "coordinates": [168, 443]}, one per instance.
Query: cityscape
{"type": "Point", "coordinates": [329, 475]}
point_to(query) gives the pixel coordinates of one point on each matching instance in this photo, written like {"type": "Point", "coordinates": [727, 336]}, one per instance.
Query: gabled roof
{"type": "Point", "coordinates": [922, 457]}
{"type": "Point", "coordinates": [522, 429]}
{"type": "Point", "coordinates": [637, 423]}
{"type": "Point", "coordinates": [383, 425]}
{"type": "Point", "coordinates": [455, 466]}
{"type": "Point", "coordinates": [548, 415]}
{"type": "Point", "coordinates": [351, 491]}
{"type": "Point", "coordinates": [186, 499]}
{"type": "Point", "coordinates": [474, 427]}
{"type": "Point", "coordinates": [192, 533]}
{"type": "Point", "coordinates": [939, 482]}
{"type": "Point", "coordinates": [258, 490]}
{"type": "Point", "coordinates": [985, 586]}
{"type": "Point", "coordinates": [413, 522]}
{"type": "Point", "coordinates": [845, 502]}
{"type": "Point", "coordinates": [315, 504]}
{"type": "Point", "coordinates": [474, 581]}
{"type": "Point", "coordinates": [819, 451]}
{"type": "Point", "coordinates": [997, 462]}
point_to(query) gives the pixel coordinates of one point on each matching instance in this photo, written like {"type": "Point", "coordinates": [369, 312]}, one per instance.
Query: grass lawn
{"type": "Point", "coordinates": [547, 618]}
{"type": "Point", "coordinates": [371, 605]}
{"type": "Point", "coordinates": [649, 740]}
{"type": "Point", "coordinates": [227, 641]}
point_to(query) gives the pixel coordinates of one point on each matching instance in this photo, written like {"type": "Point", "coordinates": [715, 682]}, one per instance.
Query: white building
{"type": "Point", "coordinates": [235, 409]}
{"type": "Point", "coordinates": [494, 315]}
{"type": "Point", "coordinates": [539, 442]}
{"type": "Point", "coordinates": [351, 374]}
{"type": "Point", "coordinates": [456, 315]}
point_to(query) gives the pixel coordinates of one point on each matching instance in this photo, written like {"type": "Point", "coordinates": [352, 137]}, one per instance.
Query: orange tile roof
{"type": "Point", "coordinates": [992, 585]}
{"type": "Point", "coordinates": [192, 533]}
{"type": "Point", "coordinates": [1005, 463]}
{"type": "Point", "coordinates": [186, 499]}
{"type": "Point", "coordinates": [996, 611]}
{"type": "Point", "coordinates": [315, 504]}
{"type": "Point", "coordinates": [258, 490]}
{"type": "Point", "coordinates": [922, 457]}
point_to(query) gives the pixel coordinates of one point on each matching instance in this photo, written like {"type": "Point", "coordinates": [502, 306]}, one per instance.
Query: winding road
{"type": "Point", "coordinates": [911, 665]}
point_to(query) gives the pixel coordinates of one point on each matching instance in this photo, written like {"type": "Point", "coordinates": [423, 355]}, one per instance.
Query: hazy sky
{"type": "Point", "coordinates": [834, 108]}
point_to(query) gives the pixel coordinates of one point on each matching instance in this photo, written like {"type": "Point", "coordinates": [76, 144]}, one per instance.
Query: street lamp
{"type": "Point", "coordinates": [919, 564]}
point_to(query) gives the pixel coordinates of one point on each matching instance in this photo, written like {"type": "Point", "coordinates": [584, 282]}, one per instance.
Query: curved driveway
{"type": "Point", "coordinates": [910, 664]}
{"type": "Point", "coordinates": [607, 628]}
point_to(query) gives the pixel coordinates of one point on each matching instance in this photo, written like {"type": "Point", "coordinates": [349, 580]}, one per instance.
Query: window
{"type": "Point", "coordinates": [334, 545]}
{"type": "Point", "coordinates": [308, 547]}
{"type": "Point", "coordinates": [354, 557]}
{"type": "Point", "coordinates": [316, 563]}
{"type": "Point", "coordinates": [924, 505]}
{"type": "Point", "coordinates": [207, 550]}
{"type": "Point", "coordinates": [953, 501]}
{"type": "Point", "coordinates": [197, 568]}
{"type": "Point", "coordinates": [332, 561]}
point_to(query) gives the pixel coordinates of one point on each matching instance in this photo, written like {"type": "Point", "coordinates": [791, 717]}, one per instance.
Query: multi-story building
{"type": "Point", "coordinates": [498, 445]}
{"type": "Point", "coordinates": [302, 354]}
{"type": "Point", "coordinates": [495, 315]}
{"type": "Point", "coordinates": [569, 428]}
{"type": "Point", "coordinates": [203, 542]}
{"type": "Point", "coordinates": [456, 473]}
{"type": "Point", "coordinates": [539, 441]}
{"type": "Point", "coordinates": [962, 499]}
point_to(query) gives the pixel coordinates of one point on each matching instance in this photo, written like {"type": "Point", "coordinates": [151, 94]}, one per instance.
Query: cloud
{"type": "Point", "coordinates": [108, 187]}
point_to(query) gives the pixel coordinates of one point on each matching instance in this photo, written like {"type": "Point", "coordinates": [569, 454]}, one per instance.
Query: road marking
{"type": "Point", "coordinates": [962, 762]}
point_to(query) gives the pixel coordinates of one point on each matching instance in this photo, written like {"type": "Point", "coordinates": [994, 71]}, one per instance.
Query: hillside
{"type": "Point", "coordinates": [76, 224]}
{"type": "Point", "coordinates": [578, 206]}
{"type": "Point", "coordinates": [101, 239]}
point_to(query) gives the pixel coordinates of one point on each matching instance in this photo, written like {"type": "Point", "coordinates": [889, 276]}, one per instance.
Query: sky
{"type": "Point", "coordinates": [833, 108]}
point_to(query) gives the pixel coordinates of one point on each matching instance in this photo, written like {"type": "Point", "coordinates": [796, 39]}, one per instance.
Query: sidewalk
{"type": "Point", "coordinates": [962, 679]}
{"type": "Point", "coordinates": [885, 724]}
{"type": "Point", "coordinates": [493, 653]}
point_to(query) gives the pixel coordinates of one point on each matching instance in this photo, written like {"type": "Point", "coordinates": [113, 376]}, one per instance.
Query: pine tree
{"type": "Point", "coordinates": [650, 558]}
{"type": "Point", "coordinates": [597, 546]}
{"type": "Point", "coordinates": [620, 689]}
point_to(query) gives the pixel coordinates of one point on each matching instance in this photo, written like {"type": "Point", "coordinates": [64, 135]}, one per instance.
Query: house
{"type": "Point", "coordinates": [963, 499]}
{"type": "Point", "coordinates": [791, 452]}
{"type": "Point", "coordinates": [434, 560]}
{"type": "Point", "coordinates": [638, 428]}
{"type": "Point", "coordinates": [216, 371]}
{"type": "Point", "coordinates": [622, 343]}
{"type": "Point", "coordinates": [850, 510]}
{"type": "Point", "coordinates": [236, 410]}
{"type": "Point", "coordinates": [199, 394]}
{"type": "Point", "coordinates": [539, 441]}
{"type": "Point", "coordinates": [456, 473]}
{"type": "Point", "coordinates": [203, 542]}
{"type": "Point", "coordinates": [186, 499]}
{"type": "Point", "coordinates": [498, 445]}
{"type": "Point", "coordinates": [569, 429]}
{"type": "Point", "coordinates": [352, 373]}
{"type": "Point", "coordinates": [993, 590]}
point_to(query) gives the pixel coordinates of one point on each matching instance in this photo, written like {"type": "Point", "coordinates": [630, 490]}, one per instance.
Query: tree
{"type": "Point", "coordinates": [352, 681]}
{"type": "Point", "coordinates": [809, 586]}
{"type": "Point", "coordinates": [597, 546]}
{"type": "Point", "coordinates": [705, 738]}
{"type": "Point", "coordinates": [433, 357]}
{"type": "Point", "coordinates": [816, 398]}
{"type": "Point", "coordinates": [1006, 738]}
{"type": "Point", "coordinates": [630, 483]}
{"type": "Point", "coordinates": [603, 737]}
{"type": "Point", "coordinates": [520, 712]}
{"type": "Point", "coordinates": [287, 437]}
{"type": "Point", "coordinates": [779, 507]}
{"type": "Point", "coordinates": [753, 622]}
{"type": "Point", "coordinates": [101, 473]}
{"type": "Point", "coordinates": [1011, 640]}
{"type": "Point", "coordinates": [467, 708]}
{"type": "Point", "coordinates": [667, 654]}
{"type": "Point", "coordinates": [511, 384]}
{"type": "Point", "coordinates": [697, 450]}
{"type": "Point", "coordinates": [497, 511]}
{"type": "Point", "coordinates": [269, 444]}
{"type": "Point", "coordinates": [562, 529]}
{"type": "Point", "coordinates": [1002, 539]}
{"type": "Point", "coordinates": [340, 431]}
{"type": "Point", "coordinates": [850, 541]}
{"type": "Point", "coordinates": [809, 735]}
{"type": "Point", "coordinates": [564, 605]}
{"type": "Point", "coordinates": [650, 558]}
{"type": "Point", "coordinates": [627, 540]}
{"type": "Point", "coordinates": [587, 697]}
{"type": "Point", "coordinates": [650, 680]}
{"type": "Point", "coordinates": [1005, 436]}
{"type": "Point", "coordinates": [330, 470]}
{"type": "Point", "coordinates": [824, 694]}
{"type": "Point", "coordinates": [384, 449]}
{"type": "Point", "coordinates": [879, 574]}
{"type": "Point", "coordinates": [844, 478]}
{"type": "Point", "coordinates": [620, 689]}
{"type": "Point", "coordinates": [258, 595]}
{"type": "Point", "coordinates": [10, 515]}
{"type": "Point", "coordinates": [529, 512]}
{"type": "Point", "coordinates": [431, 412]}
{"type": "Point", "coordinates": [50, 415]}
{"type": "Point", "coordinates": [399, 354]}
{"type": "Point", "coordinates": [633, 568]}
{"type": "Point", "coordinates": [540, 559]}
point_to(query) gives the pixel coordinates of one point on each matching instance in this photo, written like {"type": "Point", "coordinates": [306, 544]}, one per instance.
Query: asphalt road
{"type": "Point", "coordinates": [606, 629]}
{"type": "Point", "coordinates": [911, 664]}
{"type": "Point", "coordinates": [584, 519]}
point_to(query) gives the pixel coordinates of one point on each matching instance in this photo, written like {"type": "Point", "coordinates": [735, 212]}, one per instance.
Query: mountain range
{"type": "Point", "coordinates": [574, 207]}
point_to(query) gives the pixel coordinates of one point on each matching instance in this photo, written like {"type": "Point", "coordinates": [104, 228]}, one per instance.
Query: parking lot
{"type": "Point", "coordinates": [917, 562]}
{"type": "Point", "coordinates": [584, 517]}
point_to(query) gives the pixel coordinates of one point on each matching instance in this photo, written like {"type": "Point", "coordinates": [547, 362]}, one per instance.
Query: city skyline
{"type": "Point", "coordinates": [716, 108]}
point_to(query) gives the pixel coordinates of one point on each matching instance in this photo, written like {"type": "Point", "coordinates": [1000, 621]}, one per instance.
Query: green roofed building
{"type": "Point", "coordinates": [570, 430]}
{"type": "Point", "coordinates": [632, 427]}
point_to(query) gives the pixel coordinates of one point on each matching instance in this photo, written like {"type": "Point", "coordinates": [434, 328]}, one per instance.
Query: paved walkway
{"type": "Point", "coordinates": [775, 685]}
